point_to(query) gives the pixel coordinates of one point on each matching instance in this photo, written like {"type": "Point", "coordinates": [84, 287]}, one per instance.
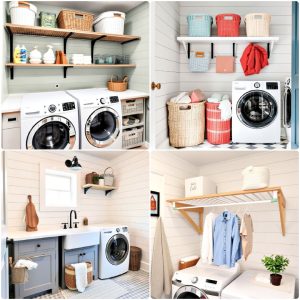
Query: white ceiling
{"type": "Point", "coordinates": [200, 158]}
{"type": "Point", "coordinates": [95, 6]}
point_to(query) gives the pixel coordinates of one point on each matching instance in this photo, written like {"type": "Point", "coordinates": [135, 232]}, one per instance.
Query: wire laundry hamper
{"type": "Point", "coordinates": [199, 62]}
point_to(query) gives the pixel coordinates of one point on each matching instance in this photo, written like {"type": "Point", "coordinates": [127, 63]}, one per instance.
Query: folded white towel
{"type": "Point", "coordinates": [186, 99]}
{"type": "Point", "coordinates": [225, 107]}
{"type": "Point", "coordinates": [178, 97]}
{"type": "Point", "coordinates": [21, 263]}
{"type": "Point", "coordinates": [81, 276]}
{"type": "Point", "coordinates": [262, 277]}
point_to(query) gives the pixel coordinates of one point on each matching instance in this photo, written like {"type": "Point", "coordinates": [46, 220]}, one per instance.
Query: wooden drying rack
{"type": "Point", "coordinates": [255, 196]}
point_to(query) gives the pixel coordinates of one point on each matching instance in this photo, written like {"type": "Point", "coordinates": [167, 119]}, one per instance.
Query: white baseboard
{"type": "Point", "coordinates": [145, 266]}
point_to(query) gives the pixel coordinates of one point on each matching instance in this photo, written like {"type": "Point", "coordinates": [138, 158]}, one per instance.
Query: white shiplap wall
{"type": "Point", "coordinates": [165, 26]}
{"type": "Point", "coordinates": [47, 79]}
{"type": "Point", "coordinates": [280, 60]}
{"type": "Point", "coordinates": [284, 172]}
{"type": "Point", "coordinates": [130, 204]}
{"type": "Point", "coordinates": [182, 239]}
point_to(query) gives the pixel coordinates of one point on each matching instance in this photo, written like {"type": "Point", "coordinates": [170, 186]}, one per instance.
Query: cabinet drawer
{"type": "Point", "coordinates": [36, 245]}
{"type": "Point", "coordinates": [11, 120]}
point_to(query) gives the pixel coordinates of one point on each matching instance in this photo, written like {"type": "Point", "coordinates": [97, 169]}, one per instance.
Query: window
{"type": "Point", "coordinates": [59, 190]}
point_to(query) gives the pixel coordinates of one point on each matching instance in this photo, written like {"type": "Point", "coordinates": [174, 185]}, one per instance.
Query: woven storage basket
{"type": "Point", "coordinates": [70, 277]}
{"type": "Point", "coordinates": [78, 20]}
{"type": "Point", "coordinates": [133, 106]}
{"type": "Point", "coordinates": [117, 86]}
{"type": "Point", "coordinates": [132, 137]}
{"type": "Point", "coordinates": [135, 258]}
{"type": "Point", "coordinates": [18, 275]}
{"type": "Point", "coordinates": [258, 24]}
{"type": "Point", "coordinates": [186, 124]}
{"type": "Point", "coordinates": [199, 62]}
{"type": "Point", "coordinates": [217, 130]}
{"type": "Point", "coordinates": [228, 24]}
{"type": "Point", "coordinates": [200, 24]}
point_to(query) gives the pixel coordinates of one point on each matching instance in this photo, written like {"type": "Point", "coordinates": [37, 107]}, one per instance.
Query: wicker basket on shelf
{"type": "Point", "coordinates": [117, 85]}
{"type": "Point", "coordinates": [70, 277]}
{"type": "Point", "coordinates": [78, 20]}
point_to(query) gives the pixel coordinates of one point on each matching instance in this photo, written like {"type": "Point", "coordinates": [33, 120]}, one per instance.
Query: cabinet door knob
{"type": "Point", "coordinates": [38, 245]}
{"type": "Point", "coordinates": [83, 254]}
{"type": "Point", "coordinates": [155, 85]}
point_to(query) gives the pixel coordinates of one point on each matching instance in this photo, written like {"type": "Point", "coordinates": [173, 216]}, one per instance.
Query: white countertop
{"type": "Point", "coordinates": [22, 235]}
{"type": "Point", "coordinates": [12, 102]}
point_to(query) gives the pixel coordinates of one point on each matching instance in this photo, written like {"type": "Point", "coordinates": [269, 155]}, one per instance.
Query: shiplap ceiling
{"type": "Point", "coordinates": [96, 6]}
{"type": "Point", "coordinates": [200, 158]}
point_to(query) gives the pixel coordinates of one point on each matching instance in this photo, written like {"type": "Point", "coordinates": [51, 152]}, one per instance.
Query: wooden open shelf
{"type": "Point", "coordinates": [96, 66]}
{"type": "Point", "coordinates": [105, 188]}
{"type": "Point", "coordinates": [69, 33]}
{"type": "Point", "coordinates": [247, 197]}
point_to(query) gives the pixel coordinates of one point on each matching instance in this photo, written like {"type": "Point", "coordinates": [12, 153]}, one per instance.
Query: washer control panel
{"type": "Point", "coordinates": [118, 230]}
{"type": "Point", "coordinates": [272, 85]}
{"type": "Point", "coordinates": [52, 108]}
{"type": "Point", "coordinates": [125, 229]}
{"type": "Point", "coordinates": [68, 106]}
{"type": "Point", "coordinates": [114, 99]}
{"type": "Point", "coordinates": [257, 85]}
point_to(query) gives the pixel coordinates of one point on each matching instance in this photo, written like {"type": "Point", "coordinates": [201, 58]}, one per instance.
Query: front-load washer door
{"type": "Point", "coordinates": [190, 292]}
{"type": "Point", "coordinates": [53, 132]}
{"type": "Point", "coordinates": [257, 109]}
{"type": "Point", "coordinates": [117, 249]}
{"type": "Point", "coordinates": [102, 127]}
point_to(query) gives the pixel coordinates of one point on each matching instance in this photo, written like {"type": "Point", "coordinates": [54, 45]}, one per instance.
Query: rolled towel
{"type": "Point", "coordinates": [215, 98]}
{"type": "Point", "coordinates": [178, 97]}
{"type": "Point", "coordinates": [225, 107]}
{"type": "Point", "coordinates": [81, 276]}
{"type": "Point", "coordinates": [186, 99]}
{"type": "Point", "coordinates": [25, 263]}
{"type": "Point", "coordinates": [197, 96]}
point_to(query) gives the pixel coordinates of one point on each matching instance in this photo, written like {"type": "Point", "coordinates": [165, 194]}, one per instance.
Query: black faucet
{"type": "Point", "coordinates": [71, 217]}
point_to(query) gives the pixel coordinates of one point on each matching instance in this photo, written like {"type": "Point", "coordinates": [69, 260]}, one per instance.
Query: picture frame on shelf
{"type": "Point", "coordinates": [154, 203]}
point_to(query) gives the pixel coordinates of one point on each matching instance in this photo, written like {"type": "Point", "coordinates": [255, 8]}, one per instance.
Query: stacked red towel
{"type": "Point", "coordinates": [254, 59]}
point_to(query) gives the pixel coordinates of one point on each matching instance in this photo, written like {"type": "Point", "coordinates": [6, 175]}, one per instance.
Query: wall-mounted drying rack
{"type": "Point", "coordinates": [105, 188]}
{"type": "Point", "coordinates": [66, 34]}
{"type": "Point", "coordinates": [187, 41]}
{"type": "Point", "coordinates": [247, 197]}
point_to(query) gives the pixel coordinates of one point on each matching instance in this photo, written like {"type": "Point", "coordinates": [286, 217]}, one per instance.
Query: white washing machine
{"type": "Point", "coordinates": [203, 281]}
{"type": "Point", "coordinates": [256, 112]}
{"type": "Point", "coordinates": [114, 251]}
{"type": "Point", "coordinates": [100, 118]}
{"type": "Point", "coordinates": [49, 121]}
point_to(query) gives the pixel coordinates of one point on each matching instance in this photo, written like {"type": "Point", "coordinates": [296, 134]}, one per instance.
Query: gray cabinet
{"type": "Point", "coordinates": [79, 255]}
{"type": "Point", "coordinates": [45, 277]}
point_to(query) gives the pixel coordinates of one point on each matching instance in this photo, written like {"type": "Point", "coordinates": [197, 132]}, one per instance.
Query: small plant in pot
{"type": "Point", "coordinates": [275, 264]}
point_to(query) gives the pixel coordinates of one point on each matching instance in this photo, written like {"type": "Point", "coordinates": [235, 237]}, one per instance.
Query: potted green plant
{"type": "Point", "coordinates": [275, 264]}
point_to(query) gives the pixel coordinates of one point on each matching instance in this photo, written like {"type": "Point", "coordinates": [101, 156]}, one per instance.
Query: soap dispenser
{"type": "Point", "coordinates": [49, 56]}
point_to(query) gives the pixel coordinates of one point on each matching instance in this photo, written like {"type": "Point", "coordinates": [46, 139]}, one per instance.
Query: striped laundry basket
{"type": "Point", "coordinates": [217, 130]}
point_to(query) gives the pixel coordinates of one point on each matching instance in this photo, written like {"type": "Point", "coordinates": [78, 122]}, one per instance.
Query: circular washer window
{"type": "Point", "coordinates": [52, 133]}
{"type": "Point", "coordinates": [257, 109]}
{"type": "Point", "coordinates": [102, 127]}
{"type": "Point", "coordinates": [189, 292]}
{"type": "Point", "coordinates": [117, 249]}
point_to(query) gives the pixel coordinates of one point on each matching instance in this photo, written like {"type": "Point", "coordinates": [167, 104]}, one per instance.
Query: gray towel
{"type": "Point", "coordinates": [161, 265]}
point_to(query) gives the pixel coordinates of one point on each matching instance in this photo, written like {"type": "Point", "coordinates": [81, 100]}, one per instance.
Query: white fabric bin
{"type": "Point", "coordinates": [255, 178]}
{"type": "Point", "coordinates": [22, 13]}
{"type": "Point", "coordinates": [198, 186]}
{"type": "Point", "coordinates": [111, 22]}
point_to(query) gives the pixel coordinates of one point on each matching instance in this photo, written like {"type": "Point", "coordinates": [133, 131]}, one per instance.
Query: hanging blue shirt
{"type": "Point", "coordinates": [226, 239]}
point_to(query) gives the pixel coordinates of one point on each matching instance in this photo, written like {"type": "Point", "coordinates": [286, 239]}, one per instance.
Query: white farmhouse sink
{"type": "Point", "coordinates": [78, 238]}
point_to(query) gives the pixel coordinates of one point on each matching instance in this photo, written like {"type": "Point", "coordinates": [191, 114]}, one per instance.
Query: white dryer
{"type": "Point", "coordinates": [256, 112]}
{"type": "Point", "coordinates": [49, 121]}
{"type": "Point", "coordinates": [114, 251]}
{"type": "Point", "coordinates": [100, 118]}
{"type": "Point", "coordinates": [203, 281]}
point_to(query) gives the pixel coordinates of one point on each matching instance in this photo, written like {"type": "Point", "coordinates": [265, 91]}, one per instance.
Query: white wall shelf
{"type": "Point", "coordinates": [247, 197]}
{"type": "Point", "coordinates": [187, 41]}
{"type": "Point", "coordinates": [105, 188]}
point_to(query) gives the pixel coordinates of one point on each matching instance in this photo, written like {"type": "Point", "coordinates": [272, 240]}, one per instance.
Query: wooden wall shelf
{"type": "Point", "coordinates": [247, 197]}
{"type": "Point", "coordinates": [66, 34]}
{"type": "Point", "coordinates": [105, 188]}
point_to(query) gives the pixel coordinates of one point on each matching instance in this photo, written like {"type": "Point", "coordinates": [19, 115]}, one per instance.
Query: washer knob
{"type": "Point", "coordinates": [102, 101]}
{"type": "Point", "coordinates": [257, 85]}
{"type": "Point", "coordinates": [52, 108]}
{"type": "Point", "coordinates": [195, 279]}
{"type": "Point", "coordinates": [118, 229]}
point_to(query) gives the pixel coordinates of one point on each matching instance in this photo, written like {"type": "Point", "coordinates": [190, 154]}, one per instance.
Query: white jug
{"type": "Point", "coordinates": [49, 56]}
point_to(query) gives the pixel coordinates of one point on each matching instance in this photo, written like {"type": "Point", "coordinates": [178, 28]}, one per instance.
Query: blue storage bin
{"type": "Point", "coordinates": [200, 24]}
{"type": "Point", "coordinates": [199, 62]}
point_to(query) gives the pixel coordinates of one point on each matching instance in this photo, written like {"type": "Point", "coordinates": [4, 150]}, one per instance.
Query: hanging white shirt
{"type": "Point", "coordinates": [207, 250]}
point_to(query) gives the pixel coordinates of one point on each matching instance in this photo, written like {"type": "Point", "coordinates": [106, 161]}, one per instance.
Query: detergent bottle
{"type": "Point", "coordinates": [17, 55]}
{"type": "Point", "coordinates": [23, 55]}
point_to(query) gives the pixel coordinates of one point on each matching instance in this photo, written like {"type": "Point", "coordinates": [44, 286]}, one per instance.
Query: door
{"type": "Point", "coordinates": [102, 127]}
{"type": "Point", "coordinates": [52, 133]}
{"type": "Point", "coordinates": [257, 109]}
{"type": "Point", "coordinates": [117, 249]}
{"type": "Point", "coordinates": [4, 249]}
{"type": "Point", "coordinates": [295, 75]}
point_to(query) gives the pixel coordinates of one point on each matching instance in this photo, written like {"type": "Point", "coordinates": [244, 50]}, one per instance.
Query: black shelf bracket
{"type": "Point", "coordinates": [233, 49]}
{"type": "Point", "coordinates": [93, 42]}
{"type": "Point", "coordinates": [87, 188]}
{"type": "Point", "coordinates": [11, 52]}
{"type": "Point", "coordinates": [132, 40]}
{"type": "Point", "coordinates": [189, 51]}
{"type": "Point", "coordinates": [66, 40]}
{"type": "Point", "coordinates": [268, 49]}
{"type": "Point", "coordinates": [65, 71]}
{"type": "Point", "coordinates": [212, 50]}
